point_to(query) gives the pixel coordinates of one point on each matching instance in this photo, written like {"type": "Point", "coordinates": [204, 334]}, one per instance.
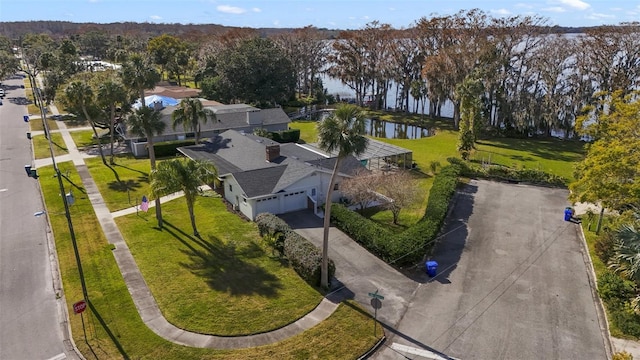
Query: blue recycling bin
{"type": "Point", "coordinates": [568, 214]}
{"type": "Point", "coordinates": [432, 268]}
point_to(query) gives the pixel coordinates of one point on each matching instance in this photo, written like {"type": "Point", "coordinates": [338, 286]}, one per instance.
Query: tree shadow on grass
{"type": "Point", "coordinates": [124, 186]}
{"type": "Point", "coordinates": [144, 174]}
{"type": "Point", "coordinates": [225, 266]}
{"type": "Point", "coordinates": [106, 329]}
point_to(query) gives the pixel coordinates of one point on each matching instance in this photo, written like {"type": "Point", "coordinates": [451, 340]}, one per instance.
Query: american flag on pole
{"type": "Point", "coordinates": [144, 205]}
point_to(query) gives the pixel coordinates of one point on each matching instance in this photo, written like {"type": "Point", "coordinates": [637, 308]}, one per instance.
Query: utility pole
{"type": "Point", "coordinates": [38, 98]}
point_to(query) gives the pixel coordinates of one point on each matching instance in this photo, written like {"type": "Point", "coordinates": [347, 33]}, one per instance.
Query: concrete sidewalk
{"type": "Point", "coordinates": [140, 293]}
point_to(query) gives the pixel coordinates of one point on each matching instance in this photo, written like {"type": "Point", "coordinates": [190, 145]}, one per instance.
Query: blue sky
{"type": "Point", "coordinates": [333, 14]}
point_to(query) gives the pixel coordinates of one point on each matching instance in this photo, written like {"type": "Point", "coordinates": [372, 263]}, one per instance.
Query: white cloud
{"type": "Point", "coordinates": [156, 17]}
{"type": "Point", "coordinates": [276, 23]}
{"type": "Point", "coordinates": [575, 4]}
{"type": "Point", "coordinates": [366, 17]}
{"type": "Point", "coordinates": [556, 9]}
{"type": "Point", "coordinates": [255, 9]}
{"type": "Point", "coordinates": [392, 9]}
{"type": "Point", "coordinates": [230, 9]}
{"type": "Point", "coordinates": [94, 1]}
{"type": "Point", "coordinates": [600, 16]}
{"type": "Point", "coordinates": [501, 12]}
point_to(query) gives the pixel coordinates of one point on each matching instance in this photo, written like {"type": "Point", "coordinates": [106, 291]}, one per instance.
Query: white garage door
{"type": "Point", "coordinates": [270, 205]}
{"type": "Point", "coordinates": [295, 201]}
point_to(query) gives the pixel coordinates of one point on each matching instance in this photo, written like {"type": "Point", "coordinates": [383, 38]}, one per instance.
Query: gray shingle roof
{"type": "Point", "coordinates": [243, 156]}
{"type": "Point", "coordinates": [227, 117]}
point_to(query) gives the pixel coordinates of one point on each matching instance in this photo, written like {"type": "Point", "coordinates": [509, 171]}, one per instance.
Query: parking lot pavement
{"type": "Point", "coordinates": [512, 282]}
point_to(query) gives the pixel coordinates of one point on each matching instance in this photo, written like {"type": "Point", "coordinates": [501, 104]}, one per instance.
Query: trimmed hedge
{"type": "Point", "coordinates": [286, 136]}
{"type": "Point", "coordinates": [169, 148]}
{"type": "Point", "coordinates": [304, 257]}
{"type": "Point", "coordinates": [498, 172]}
{"type": "Point", "coordinates": [409, 246]}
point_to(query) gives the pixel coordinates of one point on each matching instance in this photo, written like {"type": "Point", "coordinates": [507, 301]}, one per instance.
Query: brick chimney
{"type": "Point", "coordinates": [273, 152]}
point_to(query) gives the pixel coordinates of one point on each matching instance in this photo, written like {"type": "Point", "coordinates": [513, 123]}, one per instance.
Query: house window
{"type": "Point", "coordinates": [313, 192]}
{"type": "Point", "coordinates": [244, 199]}
{"type": "Point", "coordinates": [336, 187]}
{"type": "Point", "coordinates": [230, 188]}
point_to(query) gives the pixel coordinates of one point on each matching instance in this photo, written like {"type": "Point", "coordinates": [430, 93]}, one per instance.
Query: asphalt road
{"type": "Point", "coordinates": [30, 320]}
{"type": "Point", "coordinates": [512, 282]}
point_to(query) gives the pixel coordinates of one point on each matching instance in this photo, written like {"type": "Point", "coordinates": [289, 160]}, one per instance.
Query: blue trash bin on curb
{"type": "Point", "coordinates": [432, 268]}
{"type": "Point", "coordinates": [568, 213]}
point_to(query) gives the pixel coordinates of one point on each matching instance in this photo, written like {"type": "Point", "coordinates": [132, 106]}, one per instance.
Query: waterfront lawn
{"type": "Point", "coordinates": [551, 155]}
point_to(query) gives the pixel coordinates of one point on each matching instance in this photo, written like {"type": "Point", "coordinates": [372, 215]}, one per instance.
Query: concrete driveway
{"type": "Point", "coordinates": [512, 282]}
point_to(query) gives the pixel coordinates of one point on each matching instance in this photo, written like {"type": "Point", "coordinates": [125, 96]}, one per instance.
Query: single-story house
{"type": "Point", "coordinates": [239, 117]}
{"type": "Point", "coordinates": [260, 175]}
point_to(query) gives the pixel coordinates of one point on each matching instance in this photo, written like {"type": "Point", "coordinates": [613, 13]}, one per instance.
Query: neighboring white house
{"type": "Point", "coordinates": [260, 175]}
{"type": "Point", "coordinates": [240, 117]}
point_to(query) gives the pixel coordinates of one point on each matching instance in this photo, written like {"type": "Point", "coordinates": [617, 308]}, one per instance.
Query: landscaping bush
{"type": "Point", "coordinates": [410, 245]}
{"type": "Point", "coordinates": [614, 290]}
{"type": "Point", "coordinates": [169, 148]}
{"type": "Point", "coordinates": [304, 257]}
{"type": "Point", "coordinates": [626, 320]}
{"type": "Point", "coordinates": [604, 246]}
{"type": "Point", "coordinates": [498, 172]}
{"type": "Point", "coordinates": [286, 136]}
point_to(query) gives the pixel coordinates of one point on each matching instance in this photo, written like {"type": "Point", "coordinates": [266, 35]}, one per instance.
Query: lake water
{"type": "Point", "coordinates": [387, 129]}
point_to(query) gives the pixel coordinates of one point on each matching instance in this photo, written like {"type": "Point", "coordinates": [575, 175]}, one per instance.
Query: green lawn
{"type": "Point", "coordinates": [133, 183]}
{"type": "Point", "coordinates": [41, 146]}
{"type": "Point", "coordinates": [555, 156]}
{"type": "Point", "coordinates": [228, 271]}
{"type": "Point", "coordinates": [38, 125]}
{"type": "Point", "coordinates": [84, 138]}
{"type": "Point", "coordinates": [113, 326]}
{"type": "Point", "coordinates": [308, 132]}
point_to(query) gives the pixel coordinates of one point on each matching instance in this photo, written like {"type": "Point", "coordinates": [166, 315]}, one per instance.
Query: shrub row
{"type": "Point", "coordinates": [617, 294]}
{"type": "Point", "coordinates": [304, 257]}
{"type": "Point", "coordinates": [409, 246]}
{"type": "Point", "coordinates": [498, 172]}
{"type": "Point", "coordinates": [286, 136]}
{"type": "Point", "coordinates": [169, 148]}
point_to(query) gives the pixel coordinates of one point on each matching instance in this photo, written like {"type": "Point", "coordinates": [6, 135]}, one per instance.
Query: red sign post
{"type": "Point", "coordinates": [79, 307]}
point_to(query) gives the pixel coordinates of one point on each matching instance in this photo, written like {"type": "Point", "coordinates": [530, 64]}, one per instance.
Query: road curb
{"type": "Point", "coordinates": [593, 285]}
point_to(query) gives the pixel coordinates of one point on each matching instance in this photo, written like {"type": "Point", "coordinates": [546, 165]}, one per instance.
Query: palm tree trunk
{"type": "Point", "coordinates": [152, 159]}
{"type": "Point", "coordinates": [324, 269]}
{"type": "Point", "coordinates": [192, 215]}
{"type": "Point", "coordinates": [95, 133]}
{"type": "Point", "coordinates": [112, 115]}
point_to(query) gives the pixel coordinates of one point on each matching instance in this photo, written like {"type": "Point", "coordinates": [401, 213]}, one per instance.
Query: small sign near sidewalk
{"type": "Point", "coordinates": [376, 304]}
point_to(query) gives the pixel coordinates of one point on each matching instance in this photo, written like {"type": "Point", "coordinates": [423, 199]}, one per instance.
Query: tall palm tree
{"type": "Point", "coordinates": [183, 175]}
{"type": "Point", "coordinates": [189, 114]}
{"type": "Point", "coordinates": [111, 94]}
{"type": "Point", "coordinates": [138, 75]}
{"type": "Point", "coordinates": [342, 132]}
{"type": "Point", "coordinates": [80, 96]}
{"type": "Point", "coordinates": [147, 122]}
